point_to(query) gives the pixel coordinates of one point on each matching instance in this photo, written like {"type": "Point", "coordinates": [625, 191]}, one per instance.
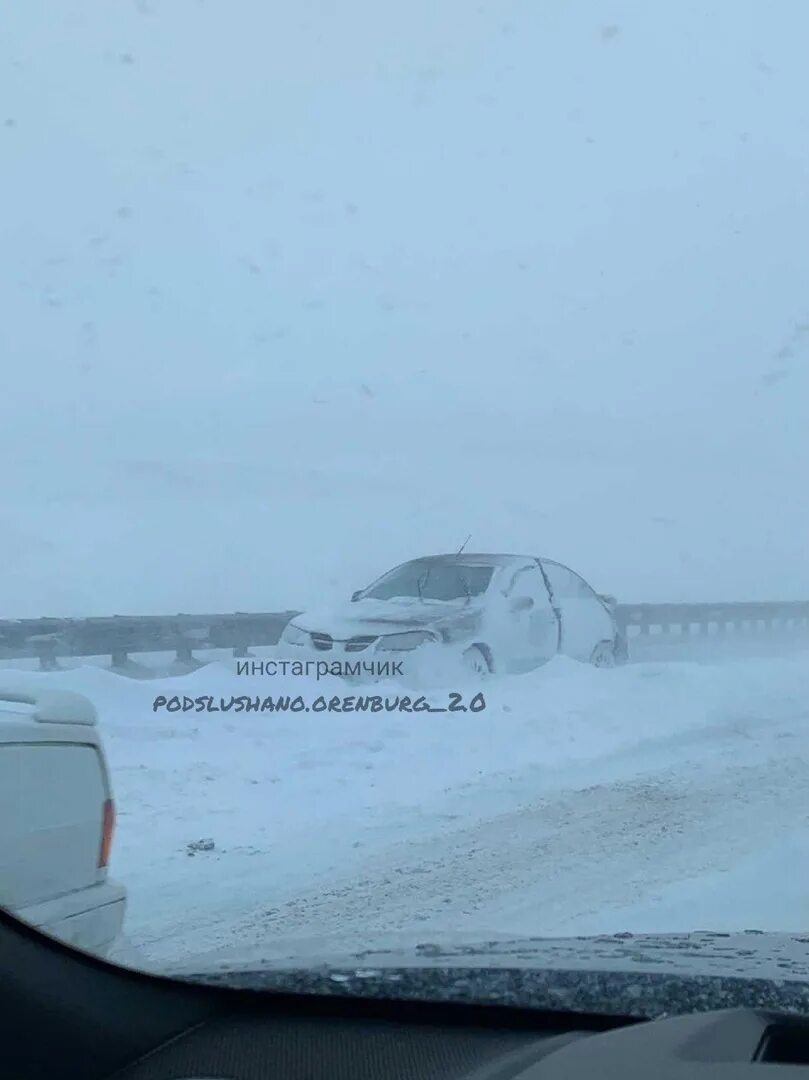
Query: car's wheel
{"type": "Point", "coordinates": [603, 654]}
{"type": "Point", "coordinates": [476, 662]}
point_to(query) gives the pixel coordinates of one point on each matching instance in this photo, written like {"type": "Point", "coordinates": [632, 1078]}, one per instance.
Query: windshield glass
{"type": "Point", "coordinates": [298, 297]}
{"type": "Point", "coordinates": [431, 581]}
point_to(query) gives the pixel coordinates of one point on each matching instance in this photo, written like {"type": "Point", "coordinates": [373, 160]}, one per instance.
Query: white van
{"type": "Point", "coordinates": [57, 817]}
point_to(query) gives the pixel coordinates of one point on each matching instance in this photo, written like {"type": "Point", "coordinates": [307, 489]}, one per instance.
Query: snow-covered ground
{"type": "Point", "coordinates": [655, 797]}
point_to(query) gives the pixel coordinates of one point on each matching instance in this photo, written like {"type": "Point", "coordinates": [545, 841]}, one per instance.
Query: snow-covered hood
{"type": "Point", "coordinates": [645, 975]}
{"type": "Point", "coordinates": [375, 617]}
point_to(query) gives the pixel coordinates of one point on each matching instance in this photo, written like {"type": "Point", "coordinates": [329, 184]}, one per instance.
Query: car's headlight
{"type": "Point", "coordinates": [293, 635]}
{"type": "Point", "coordinates": [410, 640]}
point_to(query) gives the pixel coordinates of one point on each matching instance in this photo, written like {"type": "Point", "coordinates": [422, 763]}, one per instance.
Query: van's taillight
{"type": "Point", "coordinates": [107, 829]}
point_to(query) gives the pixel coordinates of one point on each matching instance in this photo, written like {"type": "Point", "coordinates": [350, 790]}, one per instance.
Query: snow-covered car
{"type": "Point", "coordinates": [498, 613]}
{"type": "Point", "coordinates": [57, 817]}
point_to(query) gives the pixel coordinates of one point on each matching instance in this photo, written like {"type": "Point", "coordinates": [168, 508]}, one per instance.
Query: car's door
{"type": "Point", "coordinates": [585, 621]}
{"type": "Point", "coordinates": [531, 620]}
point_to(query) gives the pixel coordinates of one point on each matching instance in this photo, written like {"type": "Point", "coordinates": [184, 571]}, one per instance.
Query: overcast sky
{"type": "Point", "coordinates": [293, 292]}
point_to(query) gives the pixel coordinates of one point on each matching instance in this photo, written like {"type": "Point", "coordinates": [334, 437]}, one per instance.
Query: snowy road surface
{"type": "Point", "coordinates": [651, 798]}
{"type": "Point", "coordinates": [571, 862]}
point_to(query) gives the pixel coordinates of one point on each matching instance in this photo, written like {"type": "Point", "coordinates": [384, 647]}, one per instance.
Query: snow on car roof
{"type": "Point", "coordinates": [474, 558]}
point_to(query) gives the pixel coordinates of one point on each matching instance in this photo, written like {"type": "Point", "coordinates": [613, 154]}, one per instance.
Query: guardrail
{"type": "Point", "coordinates": [122, 636]}
{"type": "Point", "coordinates": [699, 620]}
{"type": "Point", "coordinates": [713, 632]}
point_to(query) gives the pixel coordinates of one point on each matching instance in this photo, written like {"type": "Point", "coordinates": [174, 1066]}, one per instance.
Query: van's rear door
{"type": "Point", "coordinates": [53, 791]}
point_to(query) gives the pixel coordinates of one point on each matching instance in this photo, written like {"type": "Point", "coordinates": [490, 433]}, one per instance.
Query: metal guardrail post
{"type": "Point", "coordinates": [46, 652]}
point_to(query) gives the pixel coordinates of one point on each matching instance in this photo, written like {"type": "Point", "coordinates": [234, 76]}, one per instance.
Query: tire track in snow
{"type": "Point", "coordinates": [573, 854]}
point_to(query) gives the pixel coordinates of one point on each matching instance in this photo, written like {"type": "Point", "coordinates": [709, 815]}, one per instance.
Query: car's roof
{"type": "Point", "coordinates": [466, 558]}
{"type": "Point", "coordinates": [485, 558]}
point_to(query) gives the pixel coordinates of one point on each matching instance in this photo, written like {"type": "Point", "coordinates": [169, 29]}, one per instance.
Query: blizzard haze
{"type": "Point", "coordinates": [293, 294]}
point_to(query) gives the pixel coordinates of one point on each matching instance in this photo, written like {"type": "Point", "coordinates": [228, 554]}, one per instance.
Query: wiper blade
{"type": "Point", "coordinates": [466, 588]}
{"type": "Point", "coordinates": [421, 582]}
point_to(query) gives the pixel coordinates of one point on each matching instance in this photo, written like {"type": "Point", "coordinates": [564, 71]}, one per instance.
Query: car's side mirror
{"type": "Point", "coordinates": [522, 603]}
{"type": "Point", "coordinates": [356, 595]}
{"type": "Point", "coordinates": [610, 601]}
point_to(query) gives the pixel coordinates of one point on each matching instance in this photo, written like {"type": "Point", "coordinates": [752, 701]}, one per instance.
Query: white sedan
{"type": "Point", "coordinates": [499, 613]}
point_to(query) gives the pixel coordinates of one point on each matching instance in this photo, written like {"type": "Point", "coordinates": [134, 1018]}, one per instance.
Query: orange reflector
{"type": "Point", "coordinates": [107, 829]}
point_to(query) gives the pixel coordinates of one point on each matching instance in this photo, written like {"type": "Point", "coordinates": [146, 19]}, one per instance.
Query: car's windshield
{"type": "Point", "coordinates": [492, 308]}
{"type": "Point", "coordinates": [431, 581]}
